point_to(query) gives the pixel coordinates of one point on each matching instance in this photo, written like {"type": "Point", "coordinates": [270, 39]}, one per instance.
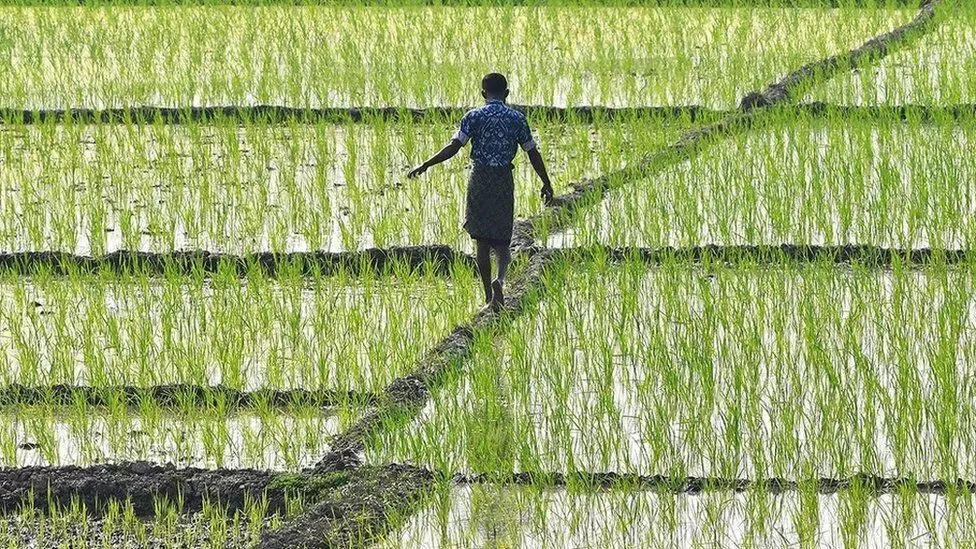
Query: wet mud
{"type": "Point", "coordinates": [137, 482]}
{"type": "Point", "coordinates": [373, 502]}
{"type": "Point", "coordinates": [874, 484]}
{"type": "Point", "coordinates": [178, 396]}
{"type": "Point", "coordinates": [436, 258]}
{"type": "Point", "coordinates": [274, 114]}
{"type": "Point", "coordinates": [848, 254]}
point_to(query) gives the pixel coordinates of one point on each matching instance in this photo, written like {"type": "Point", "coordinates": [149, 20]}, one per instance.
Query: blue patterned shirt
{"type": "Point", "coordinates": [494, 130]}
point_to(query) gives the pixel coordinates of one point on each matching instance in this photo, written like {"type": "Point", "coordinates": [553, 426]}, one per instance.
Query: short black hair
{"type": "Point", "coordinates": [494, 83]}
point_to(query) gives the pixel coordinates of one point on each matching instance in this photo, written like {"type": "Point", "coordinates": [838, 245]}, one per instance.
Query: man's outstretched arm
{"type": "Point", "coordinates": [539, 165]}
{"type": "Point", "coordinates": [446, 153]}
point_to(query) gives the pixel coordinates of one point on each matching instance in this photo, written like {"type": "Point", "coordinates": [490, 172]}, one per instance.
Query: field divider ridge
{"type": "Point", "coordinates": [275, 114]}
{"type": "Point", "coordinates": [560, 211]}
{"type": "Point", "coordinates": [581, 114]}
{"type": "Point", "coordinates": [179, 395]}
{"type": "Point", "coordinates": [861, 254]}
{"type": "Point", "coordinates": [874, 484]}
{"type": "Point", "coordinates": [437, 257]}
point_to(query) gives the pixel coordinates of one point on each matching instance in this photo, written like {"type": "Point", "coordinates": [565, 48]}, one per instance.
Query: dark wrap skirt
{"type": "Point", "coordinates": [490, 210]}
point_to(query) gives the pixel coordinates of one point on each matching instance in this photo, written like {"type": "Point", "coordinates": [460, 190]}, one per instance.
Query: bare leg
{"type": "Point", "coordinates": [504, 256]}
{"type": "Point", "coordinates": [484, 266]}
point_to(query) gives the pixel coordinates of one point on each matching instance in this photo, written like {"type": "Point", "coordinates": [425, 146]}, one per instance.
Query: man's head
{"type": "Point", "coordinates": [494, 86]}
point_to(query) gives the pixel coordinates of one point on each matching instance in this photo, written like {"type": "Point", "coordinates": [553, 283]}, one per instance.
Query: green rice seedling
{"type": "Point", "coordinates": [806, 182]}
{"type": "Point", "coordinates": [254, 187]}
{"type": "Point", "coordinates": [475, 516]}
{"type": "Point", "coordinates": [319, 332]}
{"type": "Point", "coordinates": [70, 526]}
{"type": "Point", "coordinates": [113, 56]}
{"type": "Point", "coordinates": [850, 357]}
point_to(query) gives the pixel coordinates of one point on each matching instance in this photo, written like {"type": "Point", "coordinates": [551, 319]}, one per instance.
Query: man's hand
{"type": "Point", "coordinates": [414, 173]}
{"type": "Point", "coordinates": [540, 169]}
{"type": "Point", "coordinates": [546, 193]}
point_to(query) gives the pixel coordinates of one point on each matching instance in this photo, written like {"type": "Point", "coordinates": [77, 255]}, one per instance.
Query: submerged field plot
{"type": "Point", "coordinates": [338, 333]}
{"type": "Point", "coordinates": [189, 436]}
{"type": "Point", "coordinates": [93, 189]}
{"type": "Point", "coordinates": [815, 180]}
{"type": "Point", "coordinates": [353, 57]}
{"type": "Point", "coordinates": [227, 319]}
{"type": "Point", "coordinates": [656, 371]}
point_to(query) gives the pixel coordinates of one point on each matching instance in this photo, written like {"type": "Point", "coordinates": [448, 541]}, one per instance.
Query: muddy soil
{"type": "Point", "coordinates": [178, 395]}
{"type": "Point", "coordinates": [374, 501]}
{"type": "Point", "coordinates": [273, 114]}
{"type": "Point", "coordinates": [138, 482]}
{"type": "Point", "coordinates": [694, 485]}
{"type": "Point", "coordinates": [860, 254]}
{"type": "Point", "coordinates": [436, 257]}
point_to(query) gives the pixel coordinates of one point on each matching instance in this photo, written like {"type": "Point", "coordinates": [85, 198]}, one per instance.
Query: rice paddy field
{"type": "Point", "coordinates": [229, 319]}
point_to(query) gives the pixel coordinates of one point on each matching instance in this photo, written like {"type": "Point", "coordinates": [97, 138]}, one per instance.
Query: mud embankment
{"type": "Point", "coordinates": [436, 258]}
{"type": "Point", "coordinates": [179, 396]}
{"type": "Point", "coordinates": [786, 253]}
{"type": "Point", "coordinates": [873, 484]}
{"type": "Point", "coordinates": [358, 512]}
{"type": "Point", "coordinates": [140, 483]}
{"type": "Point", "coordinates": [538, 113]}
{"type": "Point", "coordinates": [275, 114]}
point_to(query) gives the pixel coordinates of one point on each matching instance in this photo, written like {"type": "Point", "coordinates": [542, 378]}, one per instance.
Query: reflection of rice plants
{"type": "Point", "coordinates": [743, 371]}
{"type": "Point", "coordinates": [627, 516]}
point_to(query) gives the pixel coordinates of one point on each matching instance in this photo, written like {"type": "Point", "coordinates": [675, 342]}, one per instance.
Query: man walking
{"type": "Point", "coordinates": [494, 130]}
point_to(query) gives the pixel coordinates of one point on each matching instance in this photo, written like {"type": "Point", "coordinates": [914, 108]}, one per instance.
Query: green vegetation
{"type": "Point", "coordinates": [415, 57]}
{"type": "Point", "coordinates": [741, 371]}
{"type": "Point", "coordinates": [480, 516]}
{"type": "Point", "coordinates": [800, 180]}
{"type": "Point", "coordinates": [120, 527]}
{"type": "Point", "coordinates": [313, 332]}
{"type": "Point", "coordinates": [93, 189]}
{"type": "Point", "coordinates": [263, 438]}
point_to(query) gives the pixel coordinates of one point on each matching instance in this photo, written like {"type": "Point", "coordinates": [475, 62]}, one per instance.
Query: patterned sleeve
{"type": "Point", "coordinates": [524, 136]}
{"type": "Point", "coordinates": [464, 132]}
